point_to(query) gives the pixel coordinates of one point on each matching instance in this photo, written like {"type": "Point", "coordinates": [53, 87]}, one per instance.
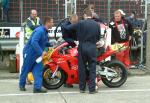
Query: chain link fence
{"type": "Point", "coordinates": [56, 8]}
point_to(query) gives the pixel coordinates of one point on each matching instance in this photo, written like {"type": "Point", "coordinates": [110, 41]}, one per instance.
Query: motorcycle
{"type": "Point", "coordinates": [61, 66]}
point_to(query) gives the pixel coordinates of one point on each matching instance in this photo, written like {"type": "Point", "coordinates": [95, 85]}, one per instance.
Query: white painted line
{"type": "Point", "coordinates": [128, 90]}
{"type": "Point", "coordinates": [74, 92]}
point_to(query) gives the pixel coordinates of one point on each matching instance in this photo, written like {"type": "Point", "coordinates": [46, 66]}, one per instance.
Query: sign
{"type": "Point", "coordinates": [10, 32]}
{"type": "Point", "coordinates": [58, 33]}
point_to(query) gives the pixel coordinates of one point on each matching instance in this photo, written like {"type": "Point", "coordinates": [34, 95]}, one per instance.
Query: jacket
{"type": "Point", "coordinates": [120, 31]}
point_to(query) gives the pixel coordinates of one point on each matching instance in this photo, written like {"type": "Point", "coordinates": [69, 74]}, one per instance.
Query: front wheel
{"type": "Point", "coordinates": [55, 82]}
{"type": "Point", "coordinates": [121, 76]}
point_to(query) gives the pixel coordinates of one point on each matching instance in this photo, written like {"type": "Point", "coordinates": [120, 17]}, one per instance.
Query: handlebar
{"type": "Point", "coordinates": [60, 23]}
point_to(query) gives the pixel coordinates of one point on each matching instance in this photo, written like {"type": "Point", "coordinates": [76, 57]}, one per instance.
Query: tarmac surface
{"type": "Point", "coordinates": [135, 90]}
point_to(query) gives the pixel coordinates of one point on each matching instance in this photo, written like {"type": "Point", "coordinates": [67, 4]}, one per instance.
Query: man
{"type": "Point", "coordinates": [5, 7]}
{"type": "Point", "coordinates": [33, 53]}
{"type": "Point", "coordinates": [134, 21]}
{"type": "Point", "coordinates": [95, 16]}
{"type": "Point", "coordinates": [88, 33]}
{"type": "Point", "coordinates": [136, 24]}
{"type": "Point", "coordinates": [32, 23]}
{"type": "Point", "coordinates": [121, 32]}
{"type": "Point", "coordinates": [70, 35]}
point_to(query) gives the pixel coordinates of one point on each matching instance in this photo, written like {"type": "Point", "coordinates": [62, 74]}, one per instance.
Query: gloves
{"type": "Point", "coordinates": [39, 59]}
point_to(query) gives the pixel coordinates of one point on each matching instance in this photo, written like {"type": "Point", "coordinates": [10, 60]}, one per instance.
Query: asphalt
{"type": "Point", "coordinates": [135, 90]}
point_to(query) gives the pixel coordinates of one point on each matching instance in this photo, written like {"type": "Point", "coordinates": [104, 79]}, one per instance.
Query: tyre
{"type": "Point", "coordinates": [53, 83]}
{"type": "Point", "coordinates": [121, 76]}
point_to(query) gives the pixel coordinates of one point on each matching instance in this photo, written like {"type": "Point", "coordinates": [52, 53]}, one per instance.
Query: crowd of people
{"type": "Point", "coordinates": [86, 31]}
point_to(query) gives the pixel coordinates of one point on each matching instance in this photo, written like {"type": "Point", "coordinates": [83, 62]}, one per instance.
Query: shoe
{"type": "Point", "coordinates": [28, 82]}
{"type": "Point", "coordinates": [40, 90]}
{"type": "Point", "coordinates": [22, 89]}
{"type": "Point", "coordinates": [68, 85]}
{"type": "Point", "coordinates": [93, 92]}
{"type": "Point", "coordinates": [82, 91]}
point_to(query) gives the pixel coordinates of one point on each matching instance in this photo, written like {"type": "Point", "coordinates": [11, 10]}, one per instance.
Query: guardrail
{"type": "Point", "coordinates": [8, 44]}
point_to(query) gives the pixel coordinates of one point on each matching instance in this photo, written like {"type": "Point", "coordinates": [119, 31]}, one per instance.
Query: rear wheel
{"type": "Point", "coordinates": [53, 83]}
{"type": "Point", "coordinates": [121, 76]}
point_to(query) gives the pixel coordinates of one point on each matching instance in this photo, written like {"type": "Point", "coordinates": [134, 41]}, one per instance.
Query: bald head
{"type": "Point", "coordinates": [33, 13]}
{"type": "Point", "coordinates": [74, 18]}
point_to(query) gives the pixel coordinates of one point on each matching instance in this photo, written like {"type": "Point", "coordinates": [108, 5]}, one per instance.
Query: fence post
{"type": "Point", "coordinates": [108, 10]}
{"type": "Point", "coordinates": [148, 41]}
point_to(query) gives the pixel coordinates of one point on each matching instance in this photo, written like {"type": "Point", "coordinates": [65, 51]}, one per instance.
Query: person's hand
{"type": "Point", "coordinates": [97, 43]}
{"type": "Point", "coordinates": [76, 42]}
{"type": "Point", "coordinates": [44, 54]}
{"type": "Point", "coordinates": [100, 43]}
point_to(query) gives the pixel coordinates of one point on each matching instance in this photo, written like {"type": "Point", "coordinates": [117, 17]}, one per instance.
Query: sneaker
{"type": "Point", "coordinates": [93, 92]}
{"type": "Point", "coordinates": [22, 89]}
{"type": "Point", "coordinates": [82, 91]}
{"type": "Point", "coordinates": [28, 82]}
{"type": "Point", "coordinates": [42, 90]}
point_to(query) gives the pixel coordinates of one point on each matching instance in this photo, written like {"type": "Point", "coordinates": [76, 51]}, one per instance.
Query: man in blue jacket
{"type": "Point", "coordinates": [70, 35]}
{"type": "Point", "coordinates": [33, 53]}
{"type": "Point", "coordinates": [134, 21]}
{"type": "Point", "coordinates": [88, 33]}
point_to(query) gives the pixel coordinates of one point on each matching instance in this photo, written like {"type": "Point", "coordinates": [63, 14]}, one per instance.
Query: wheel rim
{"type": "Point", "coordinates": [119, 75]}
{"type": "Point", "coordinates": [52, 81]}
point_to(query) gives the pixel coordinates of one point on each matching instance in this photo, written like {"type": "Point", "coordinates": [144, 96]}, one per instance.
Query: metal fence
{"type": "Point", "coordinates": [105, 8]}
{"type": "Point", "coordinates": [56, 8]}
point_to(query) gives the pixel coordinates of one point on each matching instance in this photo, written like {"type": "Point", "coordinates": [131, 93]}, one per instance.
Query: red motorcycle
{"type": "Point", "coordinates": [61, 66]}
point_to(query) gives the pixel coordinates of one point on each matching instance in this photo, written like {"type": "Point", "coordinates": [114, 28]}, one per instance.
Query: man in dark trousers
{"type": "Point", "coordinates": [88, 33]}
{"type": "Point", "coordinates": [33, 53]}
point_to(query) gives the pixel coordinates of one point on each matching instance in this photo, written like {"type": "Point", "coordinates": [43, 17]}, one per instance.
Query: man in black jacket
{"type": "Point", "coordinates": [121, 32]}
{"type": "Point", "coordinates": [121, 28]}
{"type": "Point", "coordinates": [88, 33]}
{"type": "Point", "coordinates": [70, 35]}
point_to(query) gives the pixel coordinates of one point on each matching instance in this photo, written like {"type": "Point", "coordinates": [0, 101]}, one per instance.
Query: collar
{"type": "Point", "coordinates": [68, 22]}
{"type": "Point", "coordinates": [31, 18]}
{"type": "Point", "coordinates": [45, 29]}
{"type": "Point", "coordinates": [122, 22]}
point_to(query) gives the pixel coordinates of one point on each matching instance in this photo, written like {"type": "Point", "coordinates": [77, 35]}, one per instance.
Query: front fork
{"type": "Point", "coordinates": [54, 74]}
{"type": "Point", "coordinates": [53, 68]}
